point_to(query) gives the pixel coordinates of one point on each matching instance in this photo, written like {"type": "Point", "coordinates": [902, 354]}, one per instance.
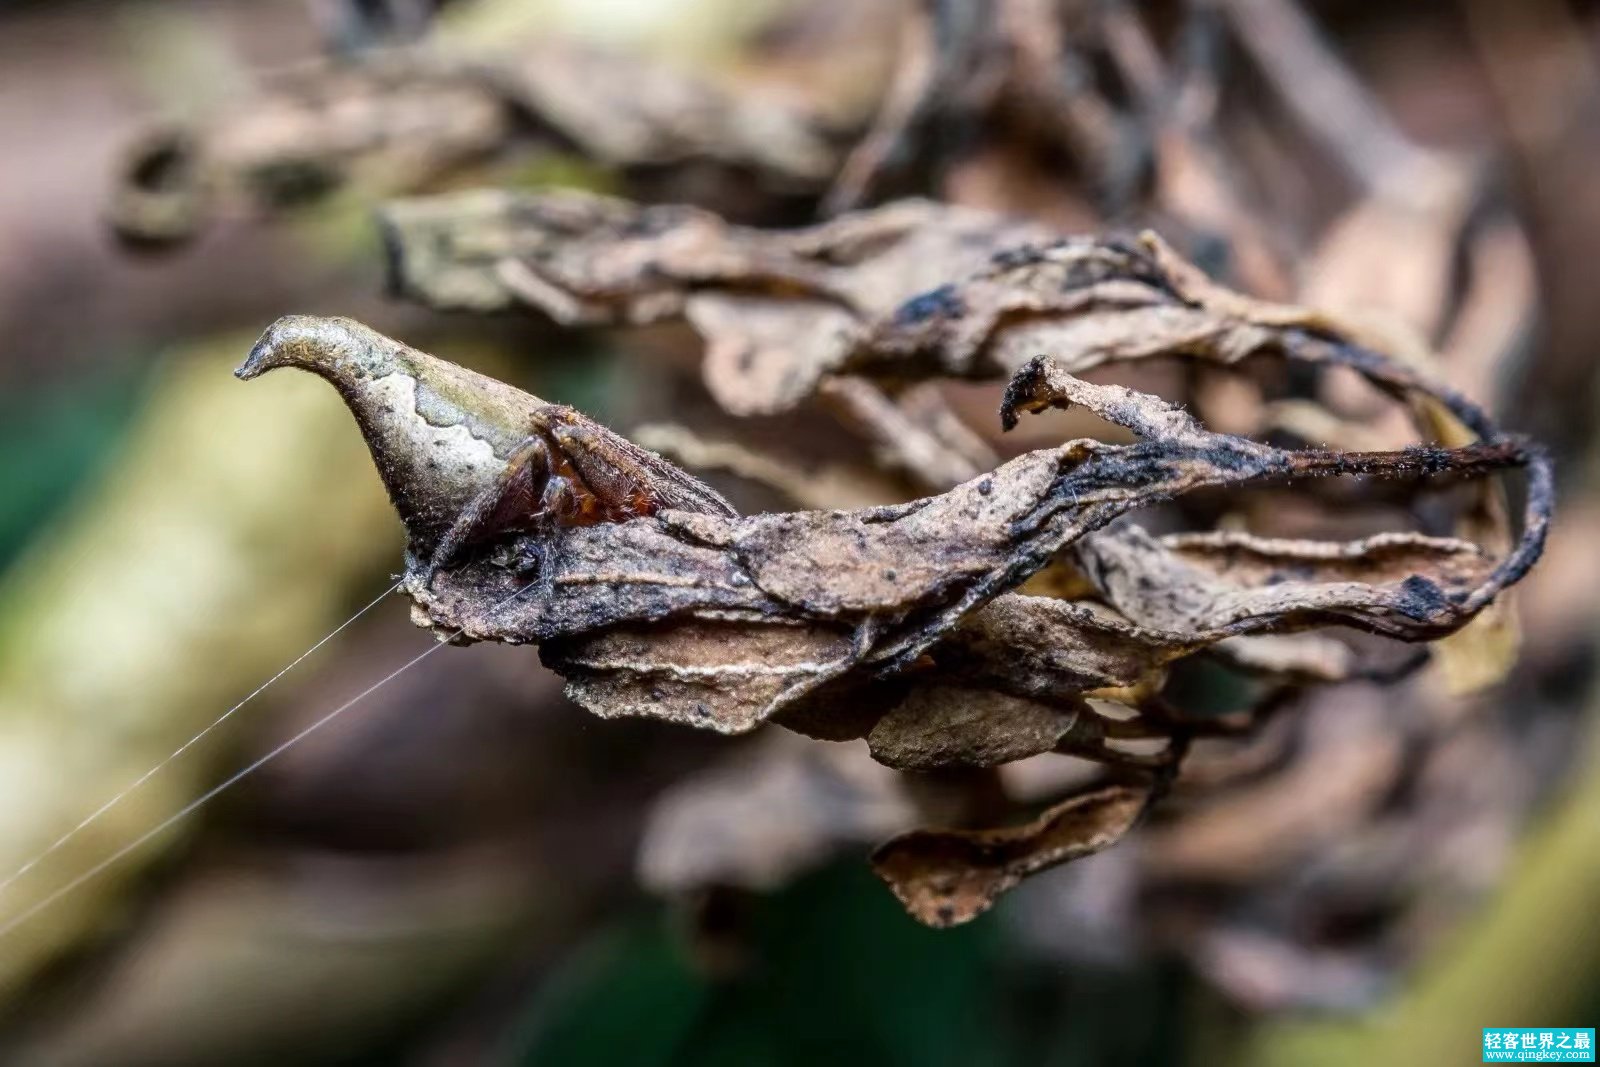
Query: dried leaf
{"type": "Point", "coordinates": [908, 291]}
{"type": "Point", "coordinates": [1195, 583]}
{"type": "Point", "coordinates": [948, 877]}
{"type": "Point", "coordinates": [723, 674]}
{"type": "Point", "coordinates": [896, 579]}
{"type": "Point", "coordinates": [777, 309]}
{"type": "Point", "coordinates": [946, 725]}
{"type": "Point", "coordinates": [900, 623]}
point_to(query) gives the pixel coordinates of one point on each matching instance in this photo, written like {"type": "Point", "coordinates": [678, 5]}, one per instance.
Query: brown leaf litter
{"type": "Point", "coordinates": [904, 624]}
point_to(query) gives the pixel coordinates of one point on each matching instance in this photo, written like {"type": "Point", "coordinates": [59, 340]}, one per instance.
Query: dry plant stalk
{"type": "Point", "coordinates": [903, 625]}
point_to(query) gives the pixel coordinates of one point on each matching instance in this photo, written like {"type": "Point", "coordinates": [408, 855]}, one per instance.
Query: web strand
{"type": "Point", "coordinates": [61, 841]}
{"type": "Point", "coordinates": [234, 779]}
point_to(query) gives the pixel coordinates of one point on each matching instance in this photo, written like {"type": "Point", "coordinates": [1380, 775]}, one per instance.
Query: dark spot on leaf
{"type": "Point", "coordinates": [942, 302]}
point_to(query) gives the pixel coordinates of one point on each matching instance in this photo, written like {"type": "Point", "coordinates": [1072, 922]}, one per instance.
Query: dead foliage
{"type": "Point", "coordinates": [396, 121]}
{"type": "Point", "coordinates": [1011, 650]}
{"type": "Point", "coordinates": [946, 877]}
{"type": "Point", "coordinates": [911, 290]}
{"type": "Point", "coordinates": [904, 624]}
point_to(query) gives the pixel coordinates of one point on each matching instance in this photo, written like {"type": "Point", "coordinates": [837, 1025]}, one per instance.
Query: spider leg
{"type": "Point", "coordinates": [476, 518]}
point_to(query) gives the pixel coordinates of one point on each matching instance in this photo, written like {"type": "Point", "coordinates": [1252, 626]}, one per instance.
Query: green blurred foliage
{"type": "Point", "coordinates": [54, 437]}
{"type": "Point", "coordinates": [836, 973]}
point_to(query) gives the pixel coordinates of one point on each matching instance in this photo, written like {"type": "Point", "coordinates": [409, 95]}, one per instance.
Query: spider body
{"type": "Point", "coordinates": [469, 461]}
{"type": "Point", "coordinates": [571, 471]}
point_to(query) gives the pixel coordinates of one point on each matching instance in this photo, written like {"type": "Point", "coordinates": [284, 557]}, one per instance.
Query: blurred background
{"type": "Point", "coordinates": [465, 868]}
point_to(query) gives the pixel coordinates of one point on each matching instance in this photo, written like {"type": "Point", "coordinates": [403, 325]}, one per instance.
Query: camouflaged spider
{"type": "Point", "coordinates": [570, 471]}
{"type": "Point", "coordinates": [462, 477]}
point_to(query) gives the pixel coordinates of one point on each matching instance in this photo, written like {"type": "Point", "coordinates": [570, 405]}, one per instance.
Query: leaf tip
{"type": "Point", "coordinates": [1022, 392]}
{"type": "Point", "coordinates": [305, 341]}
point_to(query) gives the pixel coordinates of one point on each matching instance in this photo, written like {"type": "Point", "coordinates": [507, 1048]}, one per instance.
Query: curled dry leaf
{"type": "Point", "coordinates": [1206, 582]}
{"type": "Point", "coordinates": [394, 122]}
{"type": "Point", "coordinates": [529, 523]}
{"type": "Point", "coordinates": [912, 290]}
{"type": "Point", "coordinates": [778, 309]}
{"type": "Point", "coordinates": [947, 877]}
